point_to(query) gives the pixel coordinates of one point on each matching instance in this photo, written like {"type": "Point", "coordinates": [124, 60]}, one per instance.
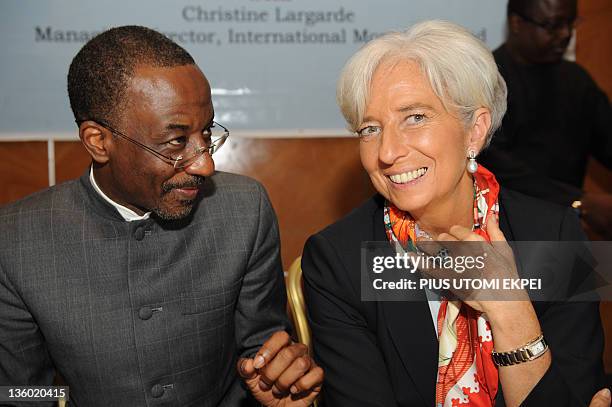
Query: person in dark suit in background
{"type": "Point", "coordinates": [424, 103]}
{"type": "Point", "coordinates": [152, 279]}
{"type": "Point", "coordinates": [557, 116]}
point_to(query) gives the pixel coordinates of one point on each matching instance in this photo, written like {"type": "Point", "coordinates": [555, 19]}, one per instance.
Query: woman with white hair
{"type": "Point", "coordinates": [424, 103]}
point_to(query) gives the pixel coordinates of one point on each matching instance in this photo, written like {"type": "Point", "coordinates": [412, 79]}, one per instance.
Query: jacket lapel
{"type": "Point", "coordinates": [412, 331]}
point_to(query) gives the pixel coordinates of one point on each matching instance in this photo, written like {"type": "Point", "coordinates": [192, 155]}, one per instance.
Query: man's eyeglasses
{"type": "Point", "coordinates": [214, 137]}
{"type": "Point", "coordinates": [550, 27]}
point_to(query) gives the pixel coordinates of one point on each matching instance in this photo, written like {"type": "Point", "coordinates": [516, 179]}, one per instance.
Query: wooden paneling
{"type": "Point", "coordinates": [311, 182]}
{"type": "Point", "coordinates": [23, 169]}
{"type": "Point", "coordinates": [71, 159]}
{"type": "Point", "coordinates": [594, 52]}
{"type": "Point", "coordinates": [594, 41]}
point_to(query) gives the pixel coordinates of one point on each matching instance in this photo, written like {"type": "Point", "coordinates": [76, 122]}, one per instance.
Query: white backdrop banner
{"type": "Point", "coordinates": [273, 64]}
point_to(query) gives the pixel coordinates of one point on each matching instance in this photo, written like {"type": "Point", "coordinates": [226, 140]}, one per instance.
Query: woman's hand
{"type": "Point", "coordinates": [497, 265]}
{"type": "Point", "coordinates": [601, 399]}
{"type": "Point", "coordinates": [507, 310]}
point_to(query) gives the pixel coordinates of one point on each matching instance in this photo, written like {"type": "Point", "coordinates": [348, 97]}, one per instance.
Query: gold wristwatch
{"type": "Point", "coordinates": [532, 350]}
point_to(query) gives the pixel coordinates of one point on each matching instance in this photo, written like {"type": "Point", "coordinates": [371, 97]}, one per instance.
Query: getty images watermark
{"type": "Point", "coordinates": [443, 261]}
{"type": "Point", "coordinates": [543, 271]}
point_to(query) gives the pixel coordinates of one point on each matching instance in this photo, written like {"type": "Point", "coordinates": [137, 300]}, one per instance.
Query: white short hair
{"type": "Point", "coordinates": [460, 69]}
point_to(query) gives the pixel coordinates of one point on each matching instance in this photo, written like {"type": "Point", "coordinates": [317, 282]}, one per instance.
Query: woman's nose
{"type": "Point", "coordinates": [391, 145]}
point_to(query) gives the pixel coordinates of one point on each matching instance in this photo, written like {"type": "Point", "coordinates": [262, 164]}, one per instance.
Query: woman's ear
{"type": "Point", "coordinates": [479, 130]}
{"type": "Point", "coordinates": [95, 139]}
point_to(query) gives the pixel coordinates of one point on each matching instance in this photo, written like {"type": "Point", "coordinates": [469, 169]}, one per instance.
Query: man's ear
{"type": "Point", "coordinates": [513, 24]}
{"type": "Point", "coordinates": [479, 130]}
{"type": "Point", "coordinates": [96, 139]}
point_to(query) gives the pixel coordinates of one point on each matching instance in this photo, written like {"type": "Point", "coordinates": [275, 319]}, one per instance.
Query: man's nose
{"type": "Point", "coordinates": [203, 166]}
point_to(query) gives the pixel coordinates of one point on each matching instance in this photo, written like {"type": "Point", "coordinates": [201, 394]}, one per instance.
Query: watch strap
{"type": "Point", "coordinates": [530, 351]}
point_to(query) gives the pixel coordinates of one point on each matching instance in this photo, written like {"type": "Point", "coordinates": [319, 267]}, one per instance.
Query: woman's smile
{"type": "Point", "coordinates": [408, 177]}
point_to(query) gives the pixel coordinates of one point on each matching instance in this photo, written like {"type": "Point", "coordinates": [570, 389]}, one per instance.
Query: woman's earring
{"type": "Point", "coordinates": [472, 165]}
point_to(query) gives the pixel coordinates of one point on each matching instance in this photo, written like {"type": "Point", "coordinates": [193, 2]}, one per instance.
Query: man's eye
{"type": "Point", "coordinates": [179, 141]}
{"type": "Point", "coordinates": [369, 131]}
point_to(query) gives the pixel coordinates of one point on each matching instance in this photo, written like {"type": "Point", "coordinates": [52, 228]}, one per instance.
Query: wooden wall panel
{"type": "Point", "coordinates": [311, 182]}
{"type": "Point", "coordinates": [23, 169]}
{"type": "Point", "coordinates": [594, 52]}
{"type": "Point", "coordinates": [71, 159]}
{"type": "Point", "coordinates": [594, 41]}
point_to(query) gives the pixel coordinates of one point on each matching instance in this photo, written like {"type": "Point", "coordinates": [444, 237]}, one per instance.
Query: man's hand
{"type": "Point", "coordinates": [601, 399]}
{"type": "Point", "coordinates": [282, 374]}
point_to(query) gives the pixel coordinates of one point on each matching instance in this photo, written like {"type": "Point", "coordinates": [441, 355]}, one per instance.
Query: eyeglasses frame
{"type": "Point", "coordinates": [546, 26]}
{"type": "Point", "coordinates": [169, 160]}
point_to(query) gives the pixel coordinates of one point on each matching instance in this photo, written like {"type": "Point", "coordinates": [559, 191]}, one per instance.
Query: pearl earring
{"type": "Point", "coordinates": [472, 165]}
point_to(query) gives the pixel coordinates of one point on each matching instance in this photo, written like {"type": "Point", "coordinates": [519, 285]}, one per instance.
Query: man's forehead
{"type": "Point", "coordinates": [167, 89]}
{"type": "Point", "coordinates": [158, 96]}
{"type": "Point", "coordinates": [555, 9]}
{"type": "Point", "coordinates": [174, 79]}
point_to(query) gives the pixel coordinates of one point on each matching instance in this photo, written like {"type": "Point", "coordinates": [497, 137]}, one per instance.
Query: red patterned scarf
{"type": "Point", "coordinates": [467, 375]}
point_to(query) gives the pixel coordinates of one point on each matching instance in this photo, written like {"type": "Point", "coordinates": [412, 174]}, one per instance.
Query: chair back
{"type": "Point", "coordinates": [297, 306]}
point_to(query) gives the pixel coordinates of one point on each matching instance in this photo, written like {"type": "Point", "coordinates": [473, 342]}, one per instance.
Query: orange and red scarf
{"type": "Point", "coordinates": [469, 377]}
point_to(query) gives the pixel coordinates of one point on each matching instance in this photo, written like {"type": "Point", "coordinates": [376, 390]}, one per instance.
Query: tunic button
{"type": "Point", "coordinates": [139, 233]}
{"type": "Point", "coordinates": [157, 391]}
{"type": "Point", "coordinates": [145, 313]}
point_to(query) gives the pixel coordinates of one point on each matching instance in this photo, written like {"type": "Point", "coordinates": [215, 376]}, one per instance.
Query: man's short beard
{"type": "Point", "coordinates": [186, 206]}
{"type": "Point", "coordinates": [177, 213]}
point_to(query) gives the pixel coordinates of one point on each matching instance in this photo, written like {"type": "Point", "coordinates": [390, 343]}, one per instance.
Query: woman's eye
{"type": "Point", "coordinates": [369, 131]}
{"type": "Point", "coordinates": [416, 118]}
{"type": "Point", "coordinates": [179, 141]}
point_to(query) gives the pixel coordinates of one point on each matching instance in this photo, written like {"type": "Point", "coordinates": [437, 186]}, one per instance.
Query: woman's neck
{"type": "Point", "coordinates": [456, 208]}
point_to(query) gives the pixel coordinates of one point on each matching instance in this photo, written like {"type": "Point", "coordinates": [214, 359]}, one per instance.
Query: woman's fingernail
{"type": "Point", "coordinates": [293, 389]}
{"type": "Point", "coordinates": [242, 366]}
{"type": "Point", "coordinates": [606, 393]}
{"type": "Point", "coordinates": [259, 361]}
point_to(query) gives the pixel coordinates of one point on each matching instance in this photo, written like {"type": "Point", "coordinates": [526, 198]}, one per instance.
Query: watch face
{"type": "Point", "coordinates": [536, 348]}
